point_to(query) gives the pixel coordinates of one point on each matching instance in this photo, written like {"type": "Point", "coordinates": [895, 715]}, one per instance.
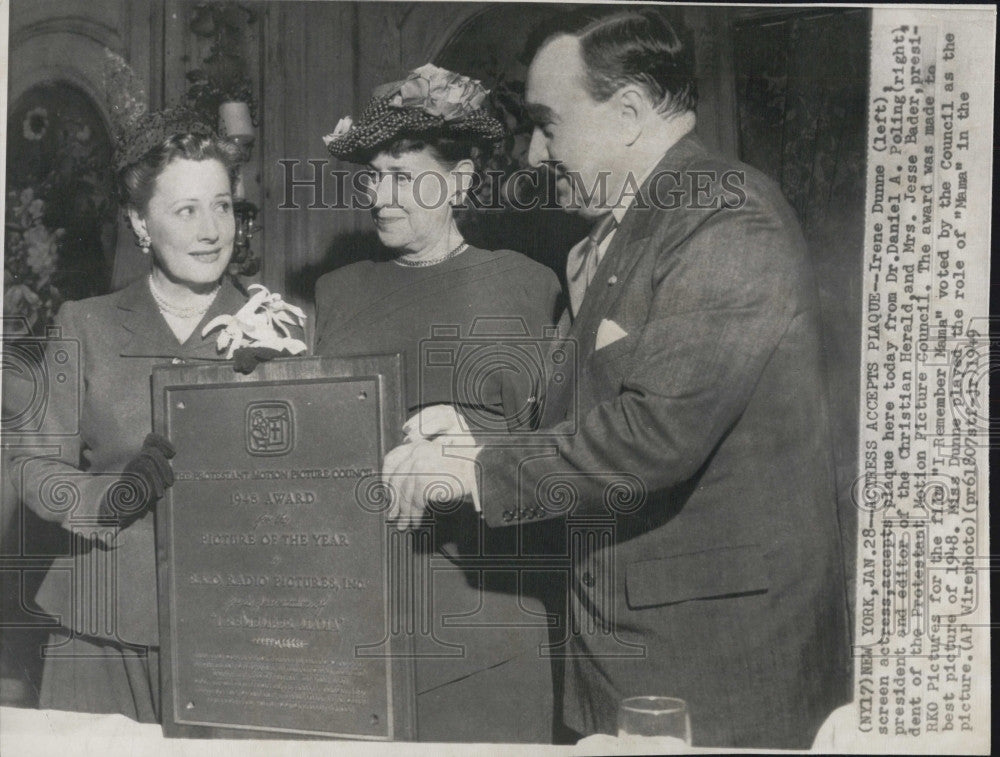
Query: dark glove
{"type": "Point", "coordinates": [144, 480]}
{"type": "Point", "coordinates": [246, 359]}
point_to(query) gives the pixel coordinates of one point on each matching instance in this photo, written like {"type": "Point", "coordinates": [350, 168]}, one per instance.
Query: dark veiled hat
{"type": "Point", "coordinates": [153, 129]}
{"type": "Point", "coordinates": [429, 99]}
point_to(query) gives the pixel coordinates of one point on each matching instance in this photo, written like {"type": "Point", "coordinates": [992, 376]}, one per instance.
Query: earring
{"type": "Point", "coordinates": [145, 243]}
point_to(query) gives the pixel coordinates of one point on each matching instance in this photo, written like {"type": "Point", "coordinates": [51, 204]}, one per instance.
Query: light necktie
{"type": "Point", "coordinates": [582, 262]}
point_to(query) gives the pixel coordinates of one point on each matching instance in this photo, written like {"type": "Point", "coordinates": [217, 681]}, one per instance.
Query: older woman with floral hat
{"type": "Point", "coordinates": [480, 672]}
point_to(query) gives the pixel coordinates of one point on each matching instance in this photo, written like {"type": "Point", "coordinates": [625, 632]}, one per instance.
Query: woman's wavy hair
{"type": "Point", "coordinates": [137, 181]}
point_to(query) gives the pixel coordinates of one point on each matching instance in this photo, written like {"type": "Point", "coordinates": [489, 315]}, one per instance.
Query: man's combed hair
{"type": "Point", "coordinates": [633, 47]}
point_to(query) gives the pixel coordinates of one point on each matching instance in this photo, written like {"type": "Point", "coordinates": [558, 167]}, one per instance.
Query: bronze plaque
{"type": "Point", "coordinates": [272, 548]}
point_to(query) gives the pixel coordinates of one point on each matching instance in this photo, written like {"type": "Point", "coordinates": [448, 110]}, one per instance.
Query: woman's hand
{"type": "Point", "coordinates": [144, 480]}
{"type": "Point", "coordinates": [246, 359]}
{"type": "Point", "coordinates": [435, 421]}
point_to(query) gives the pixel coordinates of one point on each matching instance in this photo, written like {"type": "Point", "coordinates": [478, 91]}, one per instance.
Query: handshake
{"type": "Point", "coordinates": [435, 464]}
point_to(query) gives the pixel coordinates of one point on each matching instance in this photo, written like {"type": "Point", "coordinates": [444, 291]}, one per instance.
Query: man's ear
{"type": "Point", "coordinates": [138, 223]}
{"type": "Point", "coordinates": [463, 175]}
{"type": "Point", "coordinates": [633, 108]}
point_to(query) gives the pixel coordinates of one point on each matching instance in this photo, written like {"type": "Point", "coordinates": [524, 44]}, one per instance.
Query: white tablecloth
{"type": "Point", "coordinates": [42, 733]}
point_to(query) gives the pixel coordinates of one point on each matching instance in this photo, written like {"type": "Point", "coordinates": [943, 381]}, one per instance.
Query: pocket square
{"type": "Point", "coordinates": [608, 332]}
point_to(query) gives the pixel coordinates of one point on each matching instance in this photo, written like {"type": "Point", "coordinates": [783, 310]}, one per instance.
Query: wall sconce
{"type": "Point", "coordinates": [235, 123]}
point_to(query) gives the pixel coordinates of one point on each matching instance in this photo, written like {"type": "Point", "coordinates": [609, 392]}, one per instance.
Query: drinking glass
{"type": "Point", "coordinates": [665, 718]}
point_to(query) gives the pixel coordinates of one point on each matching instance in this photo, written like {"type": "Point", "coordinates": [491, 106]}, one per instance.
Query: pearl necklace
{"type": "Point", "coordinates": [434, 261]}
{"type": "Point", "coordinates": [168, 308]}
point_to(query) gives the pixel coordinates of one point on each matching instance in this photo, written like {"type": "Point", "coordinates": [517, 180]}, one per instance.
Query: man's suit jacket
{"type": "Point", "coordinates": [691, 460]}
{"type": "Point", "coordinates": [85, 443]}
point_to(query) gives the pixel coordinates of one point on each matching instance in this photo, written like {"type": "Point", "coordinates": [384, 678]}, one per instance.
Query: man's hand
{"type": "Point", "coordinates": [422, 473]}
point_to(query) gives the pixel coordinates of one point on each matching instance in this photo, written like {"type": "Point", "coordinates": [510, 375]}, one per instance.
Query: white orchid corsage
{"type": "Point", "coordinates": [263, 322]}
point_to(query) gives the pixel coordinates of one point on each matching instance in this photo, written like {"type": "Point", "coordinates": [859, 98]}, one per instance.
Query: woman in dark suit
{"type": "Point", "coordinates": [433, 292]}
{"type": "Point", "coordinates": [103, 469]}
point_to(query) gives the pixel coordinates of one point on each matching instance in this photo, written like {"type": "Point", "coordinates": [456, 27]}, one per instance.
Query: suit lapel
{"type": "Point", "coordinates": [230, 300]}
{"type": "Point", "coordinates": [146, 333]}
{"type": "Point", "coordinates": [625, 251]}
{"type": "Point", "coordinates": [619, 260]}
{"type": "Point", "coordinates": [629, 243]}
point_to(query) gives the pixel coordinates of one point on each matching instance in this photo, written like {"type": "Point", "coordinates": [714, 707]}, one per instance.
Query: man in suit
{"type": "Point", "coordinates": [694, 432]}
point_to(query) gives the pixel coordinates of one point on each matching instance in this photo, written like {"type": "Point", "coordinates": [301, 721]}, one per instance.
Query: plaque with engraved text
{"type": "Point", "coordinates": [275, 574]}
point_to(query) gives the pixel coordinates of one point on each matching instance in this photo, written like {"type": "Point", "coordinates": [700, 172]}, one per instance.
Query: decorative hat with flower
{"type": "Point", "coordinates": [136, 131]}
{"type": "Point", "coordinates": [430, 98]}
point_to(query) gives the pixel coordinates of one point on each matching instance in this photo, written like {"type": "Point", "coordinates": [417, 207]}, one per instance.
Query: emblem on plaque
{"type": "Point", "coordinates": [270, 428]}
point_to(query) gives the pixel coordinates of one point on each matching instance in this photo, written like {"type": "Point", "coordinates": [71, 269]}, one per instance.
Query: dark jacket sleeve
{"type": "Point", "coordinates": [535, 294]}
{"type": "Point", "coordinates": [49, 478]}
{"type": "Point", "coordinates": [721, 301]}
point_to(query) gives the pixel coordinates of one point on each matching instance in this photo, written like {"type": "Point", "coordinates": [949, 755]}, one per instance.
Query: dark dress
{"type": "Point", "coordinates": [104, 658]}
{"type": "Point", "coordinates": [445, 320]}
